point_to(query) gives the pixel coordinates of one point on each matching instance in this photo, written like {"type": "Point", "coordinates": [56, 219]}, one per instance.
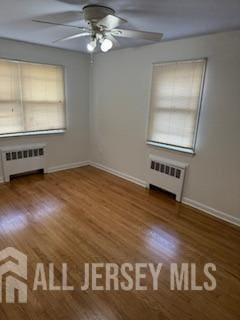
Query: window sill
{"type": "Point", "coordinates": [172, 148]}
{"type": "Point", "coordinates": [33, 133]}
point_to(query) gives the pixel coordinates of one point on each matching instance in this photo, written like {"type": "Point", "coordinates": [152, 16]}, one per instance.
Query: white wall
{"type": "Point", "coordinates": [119, 107]}
{"type": "Point", "coordinates": [73, 146]}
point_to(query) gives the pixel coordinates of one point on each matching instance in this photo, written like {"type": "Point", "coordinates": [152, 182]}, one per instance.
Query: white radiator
{"type": "Point", "coordinates": [167, 174]}
{"type": "Point", "coordinates": [23, 159]}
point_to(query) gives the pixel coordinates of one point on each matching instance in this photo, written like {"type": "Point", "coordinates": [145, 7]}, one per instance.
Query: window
{"type": "Point", "coordinates": [175, 104]}
{"type": "Point", "coordinates": [31, 98]}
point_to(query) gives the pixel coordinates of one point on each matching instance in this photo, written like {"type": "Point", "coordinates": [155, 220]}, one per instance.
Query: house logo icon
{"type": "Point", "coordinates": [13, 273]}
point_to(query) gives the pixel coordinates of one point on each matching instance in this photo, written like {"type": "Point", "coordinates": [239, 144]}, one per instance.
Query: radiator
{"type": "Point", "coordinates": [23, 159]}
{"type": "Point", "coordinates": [167, 174]}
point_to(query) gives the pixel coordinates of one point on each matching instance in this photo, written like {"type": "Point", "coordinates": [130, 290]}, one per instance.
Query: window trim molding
{"type": "Point", "coordinates": [33, 133]}
{"type": "Point", "coordinates": [200, 103]}
{"type": "Point", "coordinates": [180, 60]}
{"type": "Point", "coordinates": [169, 146]}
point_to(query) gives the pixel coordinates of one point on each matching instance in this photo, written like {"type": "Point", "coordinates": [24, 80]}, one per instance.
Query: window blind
{"type": "Point", "coordinates": [174, 105]}
{"type": "Point", "coordinates": [31, 97]}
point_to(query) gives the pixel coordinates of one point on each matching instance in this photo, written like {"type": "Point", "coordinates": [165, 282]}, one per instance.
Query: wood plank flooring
{"type": "Point", "coordinates": [86, 215]}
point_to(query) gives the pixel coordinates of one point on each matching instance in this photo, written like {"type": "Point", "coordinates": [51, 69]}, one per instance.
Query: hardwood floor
{"type": "Point", "coordinates": [86, 215]}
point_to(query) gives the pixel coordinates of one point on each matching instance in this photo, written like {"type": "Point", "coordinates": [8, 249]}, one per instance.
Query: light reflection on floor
{"type": "Point", "coordinates": [12, 219]}
{"type": "Point", "coordinates": [46, 209]}
{"type": "Point", "coordinates": [159, 239]}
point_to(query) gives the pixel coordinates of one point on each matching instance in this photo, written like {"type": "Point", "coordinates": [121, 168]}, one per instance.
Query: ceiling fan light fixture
{"type": "Point", "coordinates": [91, 45]}
{"type": "Point", "coordinates": [106, 45]}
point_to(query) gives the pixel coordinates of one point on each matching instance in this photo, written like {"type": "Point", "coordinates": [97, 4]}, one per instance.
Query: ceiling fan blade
{"type": "Point", "coordinates": [62, 17]}
{"type": "Point", "coordinates": [151, 36]}
{"type": "Point", "coordinates": [74, 36]}
{"type": "Point", "coordinates": [110, 22]}
{"type": "Point", "coordinates": [58, 24]}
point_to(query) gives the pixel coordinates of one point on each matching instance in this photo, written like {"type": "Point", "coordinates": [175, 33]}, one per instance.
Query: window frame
{"type": "Point", "coordinates": [191, 151]}
{"type": "Point", "coordinates": [41, 132]}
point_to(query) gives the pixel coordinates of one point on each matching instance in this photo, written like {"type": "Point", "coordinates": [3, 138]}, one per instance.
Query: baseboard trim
{"type": "Point", "coordinates": [211, 211]}
{"type": "Point", "coordinates": [68, 166]}
{"type": "Point", "coordinates": [1, 180]}
{"type": "Point", "coordinates": [125, 176]}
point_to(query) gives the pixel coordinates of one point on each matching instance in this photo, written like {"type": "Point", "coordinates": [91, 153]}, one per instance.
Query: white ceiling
{"type": "Point", "coordinates": [175, 18]}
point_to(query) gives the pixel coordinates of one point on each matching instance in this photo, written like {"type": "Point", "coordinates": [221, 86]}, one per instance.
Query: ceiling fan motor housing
{"type": "Point", "coordinates": [94, 13]}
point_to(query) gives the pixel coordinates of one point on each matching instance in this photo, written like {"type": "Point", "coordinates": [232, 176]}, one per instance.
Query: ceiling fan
{"type": "Point", "coordinates": [102, 27]}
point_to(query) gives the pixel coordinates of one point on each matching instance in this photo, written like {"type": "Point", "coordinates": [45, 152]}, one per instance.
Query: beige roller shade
{"type": "Point", "coordinates": [11, 116]}
{"type": "Point", "coordinates": [174, 106]}
{"type": "Point", "coordinates": [31, 97]}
